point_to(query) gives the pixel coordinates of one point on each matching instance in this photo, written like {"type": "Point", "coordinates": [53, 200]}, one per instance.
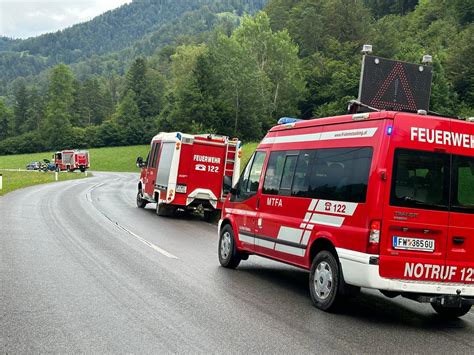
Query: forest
{"type": "Point", "coordinates": [231, 67]}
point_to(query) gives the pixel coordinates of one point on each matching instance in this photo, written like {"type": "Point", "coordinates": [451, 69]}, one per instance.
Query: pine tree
{"type": "Point", "coordinates": [57, 126]}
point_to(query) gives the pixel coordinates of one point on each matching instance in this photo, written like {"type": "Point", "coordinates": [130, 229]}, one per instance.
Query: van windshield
{"type": "Point", "coordinates": [430, 180]}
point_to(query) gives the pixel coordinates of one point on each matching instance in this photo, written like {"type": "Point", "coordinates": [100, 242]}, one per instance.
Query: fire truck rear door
{"type": "Point", "coordinates": [152, 163]}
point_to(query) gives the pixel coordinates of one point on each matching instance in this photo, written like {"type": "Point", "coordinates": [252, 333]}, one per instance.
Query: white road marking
{"type": "Point", "coordinates": [144, 241]}
{"type": "Point", "coordinates": [150, 244]}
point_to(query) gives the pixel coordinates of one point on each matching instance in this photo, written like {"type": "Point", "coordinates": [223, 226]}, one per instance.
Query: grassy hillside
{"type": "Point", "coordinates": [103, 159]}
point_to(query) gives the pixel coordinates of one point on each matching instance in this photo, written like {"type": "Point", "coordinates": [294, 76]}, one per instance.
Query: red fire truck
{"type": "Point", "coordinates": [188, 172]}
{"type": "Point", "coordinates": [382, 200]}
{"type": "Point", "coordinates": [71, 160]}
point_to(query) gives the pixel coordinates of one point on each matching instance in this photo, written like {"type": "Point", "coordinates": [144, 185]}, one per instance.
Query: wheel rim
{"type": "Point", "coordinates": [323, 281]}
{"type": "Point", "coordinates": [226, 244]}
{"type": "Point", "coordinates": [139, 197]}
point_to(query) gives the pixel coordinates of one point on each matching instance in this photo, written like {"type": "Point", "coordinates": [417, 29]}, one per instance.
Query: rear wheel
{"type": "Point", "coordinates": [324, 279]}
{"type": "Point", "coordinates": [141, 203]}
{"type": "Point", "coordinates": [228, 254]}
{"type": "Point", "coordinates": [451, 312]}
{"type": "Point", "coordinates": [164, 210]}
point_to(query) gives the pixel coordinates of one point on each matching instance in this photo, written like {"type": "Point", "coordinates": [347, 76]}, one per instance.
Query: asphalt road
{"type": "Point", "coordinates": [83, 270]}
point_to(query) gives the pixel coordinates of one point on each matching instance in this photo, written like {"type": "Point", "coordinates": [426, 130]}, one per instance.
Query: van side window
{"type": "Point", "coordinates": [249, 180]}
{"type": "Point", "coordinates": [274, 172]}
{"type": "Point", "coordinates": [341, 174]}
{"type": "Point", "coordinates": [155, 155]}
{"type": "Point", "coordinates": [302, 173]}
{"type": "Point", "coordinates": [420, 179]}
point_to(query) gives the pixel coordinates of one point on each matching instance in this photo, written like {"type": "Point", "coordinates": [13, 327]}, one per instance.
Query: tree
{"type": "Point", "coordinates": [57, 126]}
{"type": "Point", "coordinates": [128, 118]}
{"type": "Point", "coordinates": [5, 117]}
{"type": "Point", "coordinates": [20, 109]}
{"type": "Point", "coordinates": [147, 86]}
{"type": "Point", "coordinates": [276, 58]}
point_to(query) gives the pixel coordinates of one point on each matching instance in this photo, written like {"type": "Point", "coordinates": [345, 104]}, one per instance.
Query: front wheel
{"type": "Point", "coordinates": [451, 312]}
{"type": "Point", "coordinates": [324, 279]}
{"type": "Point", "coordinates": [141, 202]}
{"type": "Point", "coordinates": [228, 254]}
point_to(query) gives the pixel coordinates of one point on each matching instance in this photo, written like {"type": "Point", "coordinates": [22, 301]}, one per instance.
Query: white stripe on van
{"type": "Point", "coordinates": [290, 234]}
{"type": "Point", "coordinates": [324, 136]}
{"type": "Point", "coordinates": [327, 220]}
{"type": "Point", "coordinates": [290, 250]}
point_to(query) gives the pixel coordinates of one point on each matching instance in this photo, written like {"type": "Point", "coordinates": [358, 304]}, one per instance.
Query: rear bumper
{"type": "Point", "coordinates": [358, 271]}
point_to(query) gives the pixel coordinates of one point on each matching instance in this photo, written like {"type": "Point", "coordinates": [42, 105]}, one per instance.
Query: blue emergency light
{"type": "Point", "coordinates": [286, 120]}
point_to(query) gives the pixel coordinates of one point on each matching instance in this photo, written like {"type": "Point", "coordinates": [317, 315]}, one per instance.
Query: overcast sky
{"type": "Point", "coordinates": [27, 18]}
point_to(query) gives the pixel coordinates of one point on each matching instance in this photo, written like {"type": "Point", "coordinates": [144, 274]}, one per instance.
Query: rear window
{"type": "Point", "coordinates": [420, 180]}
{"type": "Point", "coordinates": [435, 181]}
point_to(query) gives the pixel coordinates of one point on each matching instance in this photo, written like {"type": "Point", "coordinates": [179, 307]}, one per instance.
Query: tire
{"type": "Point", "coordinates": [227, 251]}
{"type": "Point", "coordinates": [324, 281]}
{"type": "Point", "coordinates": [83, 170]}
{"type": "Point", "coordinates": [164, 210]}
{"type": "Point", "coordinates": [141, 203]}
{"type": "Point", "coordinates": [451, 312]}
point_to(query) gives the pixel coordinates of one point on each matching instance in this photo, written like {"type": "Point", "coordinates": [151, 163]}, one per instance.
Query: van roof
{"type": "Point", "coordinates": [369, 116]}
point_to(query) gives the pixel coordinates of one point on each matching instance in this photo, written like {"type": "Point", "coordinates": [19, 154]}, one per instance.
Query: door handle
{"type": "Point", "coordinates": [458, 240]}
{"type": "Point", "coordinates": [257, 203]}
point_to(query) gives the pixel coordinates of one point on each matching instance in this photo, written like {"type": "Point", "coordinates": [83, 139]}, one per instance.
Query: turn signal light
{"type": "Point", "coordinates": [373, 246]}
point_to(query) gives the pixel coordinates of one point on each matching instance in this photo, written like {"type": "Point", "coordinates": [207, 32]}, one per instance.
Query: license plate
{"type": "Point", "coordinates": [407, 243]}
{"type": "Point", "coordinates": [181, 189]}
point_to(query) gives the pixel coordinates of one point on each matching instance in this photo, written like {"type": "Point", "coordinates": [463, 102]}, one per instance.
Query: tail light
{"type": "Point", "coordinates": [373, 247]}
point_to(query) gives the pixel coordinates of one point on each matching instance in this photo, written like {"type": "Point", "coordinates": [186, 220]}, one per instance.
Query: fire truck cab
{"type": "Point", "coordinates": [71, 160]}
{"type": "Point", "coordinates": [382, 200]}
{"type": "Point", "coordinates": [188, 172]}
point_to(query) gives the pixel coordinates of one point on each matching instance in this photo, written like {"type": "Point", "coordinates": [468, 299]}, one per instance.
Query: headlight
{"type": "Point", "coordinates": [181, 189]}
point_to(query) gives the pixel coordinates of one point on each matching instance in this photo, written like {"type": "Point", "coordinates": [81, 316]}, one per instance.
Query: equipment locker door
{"type": "Point", "coordinates": [152, 163]}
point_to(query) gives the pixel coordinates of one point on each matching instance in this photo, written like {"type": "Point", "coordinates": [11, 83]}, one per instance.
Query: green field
{"type": "Point", "coordinates": [14, 180]}
{"type": "Point", "coordinates": [103, 159]}
{"type": "Point", "coordinates": [119, 159]}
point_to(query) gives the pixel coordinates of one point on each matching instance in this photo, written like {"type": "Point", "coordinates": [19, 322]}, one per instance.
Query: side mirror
{"type": "Point", "coordinates": [227, 186]}
{"type": "Point", "coordinates": [140, 163]}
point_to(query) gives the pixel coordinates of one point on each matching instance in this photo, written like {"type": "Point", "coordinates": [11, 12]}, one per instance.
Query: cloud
{"type": "Point", "coordinates": [26, 18]}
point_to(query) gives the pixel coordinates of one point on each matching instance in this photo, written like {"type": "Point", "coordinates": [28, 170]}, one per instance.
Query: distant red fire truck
{"type": "Point", "coordinates": [188, 172]}
{"type": "Point", "coordinates": [70, 160]}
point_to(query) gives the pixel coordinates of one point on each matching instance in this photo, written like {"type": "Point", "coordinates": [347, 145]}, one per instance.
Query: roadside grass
{"type": "Point", "coordinates": [14, 180]}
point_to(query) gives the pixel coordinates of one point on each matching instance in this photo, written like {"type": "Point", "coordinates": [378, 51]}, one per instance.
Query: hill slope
{"type": "Point", "coordinates": [110, 32]}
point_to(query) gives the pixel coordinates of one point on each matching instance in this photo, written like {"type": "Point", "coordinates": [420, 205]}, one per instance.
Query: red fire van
{"type": "Point", "coordinates": [188, 171]}
{"type": "Point", "coordinates": [383, 200]}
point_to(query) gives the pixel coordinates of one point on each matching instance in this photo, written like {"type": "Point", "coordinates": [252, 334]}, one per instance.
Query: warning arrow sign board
{"type": "Point", "coordinates": [394, 85]}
